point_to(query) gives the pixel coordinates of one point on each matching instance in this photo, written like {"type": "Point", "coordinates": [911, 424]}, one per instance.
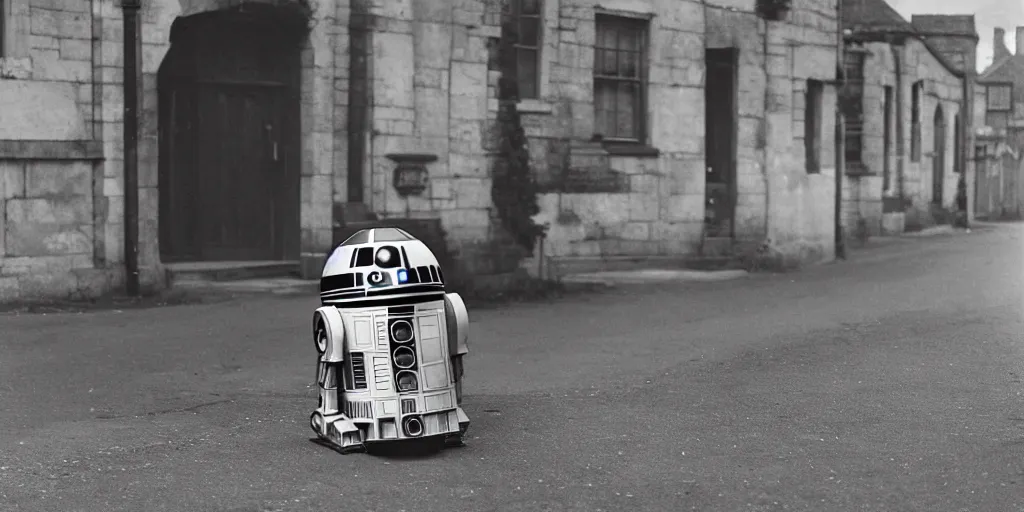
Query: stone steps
{"type": "Point", "coordinates": [217, 271]}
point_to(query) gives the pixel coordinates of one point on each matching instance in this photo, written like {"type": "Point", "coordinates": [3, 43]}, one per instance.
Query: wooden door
{"type": "Point", "coordinates": [939, 156]}
{"type": "Point", "coordinates": [239, 172]}
{"type": "Point", "coordinates": [720, 142]}
{"type": "Point", "coordinates": [229, 120]}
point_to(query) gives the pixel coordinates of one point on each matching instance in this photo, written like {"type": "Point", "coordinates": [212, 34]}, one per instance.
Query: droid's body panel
{"type": "Point", "coordinates": [390, 345]}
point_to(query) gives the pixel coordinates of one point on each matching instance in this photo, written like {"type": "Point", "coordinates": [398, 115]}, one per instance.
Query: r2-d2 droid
{"type": "Point", "coordinates": [390, 343]}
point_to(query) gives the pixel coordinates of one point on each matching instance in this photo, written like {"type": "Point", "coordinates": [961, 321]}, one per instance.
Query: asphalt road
{"type": "Point", "coordinates": [891, 382]}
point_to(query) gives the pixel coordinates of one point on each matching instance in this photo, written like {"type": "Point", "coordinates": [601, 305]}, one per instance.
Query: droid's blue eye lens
{"type": "Point", "coordinates": [403, 276]}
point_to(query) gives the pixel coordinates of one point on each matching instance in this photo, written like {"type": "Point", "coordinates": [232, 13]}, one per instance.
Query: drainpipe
{"type": "Point", "coordinates": [130, 10]}
{"type": "Point", "coordinates": [764, 133]}
{"type": "Point", "coordinates": [840, 134]}
{"type": "Point", "coordinates": [966, 121]}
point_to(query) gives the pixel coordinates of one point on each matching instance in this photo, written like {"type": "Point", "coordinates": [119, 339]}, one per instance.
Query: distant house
{"type": "Point", "coordinates": [908, 116]}
{"type": "Point", "coordinates": [1003, 83]}
{"type": "Point", "coordinates": [1001, 186]}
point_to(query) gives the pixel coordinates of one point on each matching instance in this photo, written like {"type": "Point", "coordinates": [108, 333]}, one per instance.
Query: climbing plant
{"type": "Point", "coordinates": [513, 186]}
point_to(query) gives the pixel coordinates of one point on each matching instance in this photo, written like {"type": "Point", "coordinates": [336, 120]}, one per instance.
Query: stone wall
{"type": "Point", "coordinates": [430, 95]}
{"type": "Point", "coordinates": [659, 207]}
{"type": "Point", "coordinates": [51, 165]}
{"type": "Point", "coordinates": [61, 140]}
{"type": "Point", "coordinates": [864, 195]}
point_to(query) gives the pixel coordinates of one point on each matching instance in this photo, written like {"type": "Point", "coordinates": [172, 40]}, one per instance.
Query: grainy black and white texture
{"type": "Point", "coordinates": [893, 381]}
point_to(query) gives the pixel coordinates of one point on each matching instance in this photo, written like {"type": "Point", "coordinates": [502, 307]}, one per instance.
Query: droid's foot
{"type": "Point", "coordinates": [344, 450]}
{"type": "Point", "coordinates": [463, 421]}
{"type": "Point", "coordinates": [454, 441]}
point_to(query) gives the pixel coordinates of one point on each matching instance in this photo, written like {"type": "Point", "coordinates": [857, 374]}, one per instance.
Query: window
{"type": "Point", "coordinates": [999, 97]}
{"type": "Point", "coordinates": [853, 105]}
{"type": "Point", "coordinates": [619, 78]}
{"type": "Point", "coordinates": [886, 136]}
{"type": "Point", "coordinates": [812, 126]}
{"type": "Point", "coordinates": [529, 26]}
{"type": "Point", "coordinates": [915, 120]}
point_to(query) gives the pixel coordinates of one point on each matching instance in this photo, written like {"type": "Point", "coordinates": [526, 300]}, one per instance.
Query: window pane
{"type": "Point", "coordinates": [604, 108]}
{"type": "Point", "coordinates": [607, 37]}
{"type": "Point", "coordinates": [629, 39]}
{"type": "Point", "coordinates": [626, 109]}
{"type": "Point", "coordinates": [529, 6]}
{"type": "Point", "coordinates": [606, 62]}
{"type": "Point", "coordinates": [529, 31]}
{"type": "Point", "coordinates": [999, 97]}
{"type": "Point", "coordinates": [629, 65]}
{"type": "Point", "coordinates": [526, 69]}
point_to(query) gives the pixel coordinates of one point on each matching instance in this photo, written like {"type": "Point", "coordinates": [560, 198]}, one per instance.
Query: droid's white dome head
{"type": "Point", "coordinates": [380, 266]}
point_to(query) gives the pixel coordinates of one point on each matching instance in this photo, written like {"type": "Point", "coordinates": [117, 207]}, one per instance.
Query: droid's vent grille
{"type": "Point", "coordinates": [358, 409]}
{"type": "Point", "coordinates": [358, 370]}
{"type": "Point", "coordinates": [408, 406]}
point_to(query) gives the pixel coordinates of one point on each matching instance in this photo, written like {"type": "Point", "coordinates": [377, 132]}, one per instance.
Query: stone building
{"type": "Point", "coordinates": [907, 121]}
{"type": "Point", "coordinates": [267, 124]}
{"type": "Point", "coordinates": [726, 138]}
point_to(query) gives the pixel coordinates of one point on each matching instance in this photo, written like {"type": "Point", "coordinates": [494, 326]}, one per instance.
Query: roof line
{"type": "Point", "coordinates": [992, 68]}
{"type": "Point", "coordinates": [931, 49]}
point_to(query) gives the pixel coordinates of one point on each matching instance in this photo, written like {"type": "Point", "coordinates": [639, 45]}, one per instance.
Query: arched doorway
{"type": "Point", "coordinates": [230, 136]}
{"type": "Point", "coordinates": [939, 155]}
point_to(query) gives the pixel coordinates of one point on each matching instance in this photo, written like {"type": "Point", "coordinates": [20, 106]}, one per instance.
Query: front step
{"type": "Point", "coordinates": [205, 271]}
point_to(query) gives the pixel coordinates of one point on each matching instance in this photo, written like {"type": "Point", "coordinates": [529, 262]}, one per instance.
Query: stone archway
{"type": "Point", "coordinates": [229, 133]}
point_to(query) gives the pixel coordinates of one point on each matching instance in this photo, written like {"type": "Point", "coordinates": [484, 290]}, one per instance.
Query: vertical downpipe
{"type": "Point", "coordinates": [764, 134]}
{"type": "Point", "coordinates": [840, 135]}
{"type": "Point", "coordinates": [130, 10]}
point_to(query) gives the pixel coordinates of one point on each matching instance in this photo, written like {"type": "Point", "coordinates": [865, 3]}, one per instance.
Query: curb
{"type": "Point", "coordinates": [611, 278]}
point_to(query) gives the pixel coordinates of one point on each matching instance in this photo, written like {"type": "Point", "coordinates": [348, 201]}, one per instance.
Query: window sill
{"type": "Point", "coordinates": [525, 106]}
{"type": "Point", "coordinates": [858, 169]}
{"type": "Point", "coordinates": [631, 149]}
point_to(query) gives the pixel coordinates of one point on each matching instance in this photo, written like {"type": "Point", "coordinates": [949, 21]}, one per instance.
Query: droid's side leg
{"type": "Point", "coordinates": [331, 426]}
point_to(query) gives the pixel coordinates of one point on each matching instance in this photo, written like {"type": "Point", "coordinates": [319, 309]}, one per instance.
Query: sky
{"type": "Point", "coordinates": [988, 14]}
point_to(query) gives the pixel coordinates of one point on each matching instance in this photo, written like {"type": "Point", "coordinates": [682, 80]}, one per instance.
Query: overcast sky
{"type": "Point", "coordinates": [988, 14]}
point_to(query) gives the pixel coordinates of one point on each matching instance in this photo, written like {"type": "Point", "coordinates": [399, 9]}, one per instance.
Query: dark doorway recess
{"type": "Point", "coordinates": [939, 156]}
{"type": "Point", "coordinates": [720, 118]}
{"type": "Point", "coordinates": [230, 136]}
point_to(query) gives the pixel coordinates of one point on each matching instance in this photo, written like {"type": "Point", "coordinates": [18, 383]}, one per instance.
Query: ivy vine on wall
{"type": "Point", "coordinates": [513, 186]}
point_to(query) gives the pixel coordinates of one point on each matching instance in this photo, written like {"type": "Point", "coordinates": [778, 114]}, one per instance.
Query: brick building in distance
{"type": "Point", "coordinates": [266, 126]}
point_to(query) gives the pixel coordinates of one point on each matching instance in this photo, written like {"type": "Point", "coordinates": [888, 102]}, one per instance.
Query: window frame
{"type": "Point", "coordinates": [1009, 96]}
{"type": "Point", "coordinates": [916, 91]}
{"type": "Point", "coordinates": [619, 21]}
{"type": "Point", "coordinates": [888, 113]}
{"type": "Point", "coordinates": [813, 121]}
{"type": "Point", "coordinates": [515, 10]}
{"type": "Point", "coordinates": [854, 125]}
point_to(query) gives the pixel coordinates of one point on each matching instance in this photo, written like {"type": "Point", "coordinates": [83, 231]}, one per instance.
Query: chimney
{"type": "Point", "coordinates": [1020, 41]}
{"type": "Point", "coordinates": [999, 49]}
